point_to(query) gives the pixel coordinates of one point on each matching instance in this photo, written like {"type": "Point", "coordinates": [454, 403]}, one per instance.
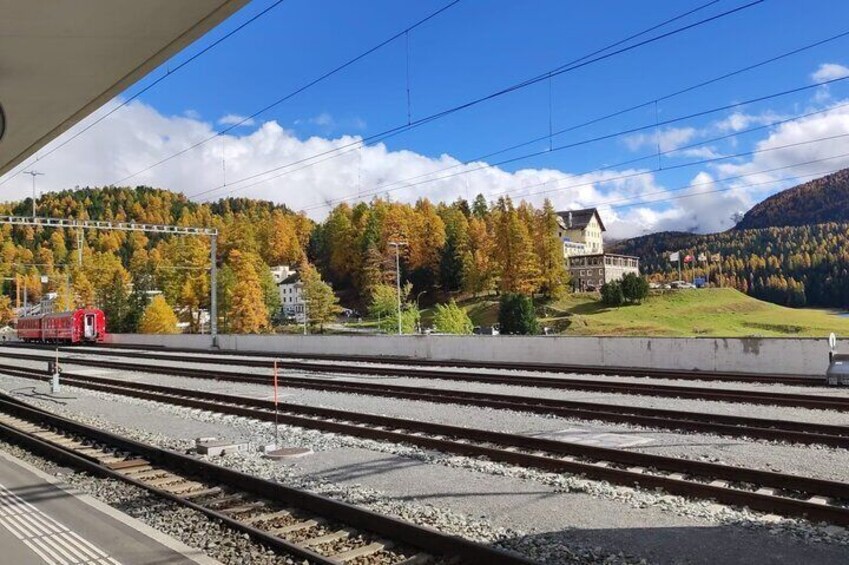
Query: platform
{"type": "Point", "coordinates": [45, 522]}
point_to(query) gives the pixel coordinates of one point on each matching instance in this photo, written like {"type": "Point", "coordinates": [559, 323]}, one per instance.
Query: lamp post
{"type": "Point", "coordinates": [419, 295]}
{"type": "Point", "coordinates": [33, 174]}
{"type": "Point", "coordinates": [397, 245]}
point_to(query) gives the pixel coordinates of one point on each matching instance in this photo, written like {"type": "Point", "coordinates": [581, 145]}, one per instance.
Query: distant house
{"type": "Point", "coordinates": [582, 234]}
{"type": "Point", "coordinates": [290, 288]}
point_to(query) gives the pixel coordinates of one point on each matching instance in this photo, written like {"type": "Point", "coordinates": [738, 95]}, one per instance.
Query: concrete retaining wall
{"type": "Point", "coordinates": [789, 356]}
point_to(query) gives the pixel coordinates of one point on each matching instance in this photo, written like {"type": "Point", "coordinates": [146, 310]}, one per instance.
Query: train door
{"type": "Point", "coordinates": [89, 327]}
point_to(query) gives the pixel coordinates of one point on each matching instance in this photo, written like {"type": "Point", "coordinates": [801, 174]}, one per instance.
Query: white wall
{"type": "Point", "coordinates": [802, 356]}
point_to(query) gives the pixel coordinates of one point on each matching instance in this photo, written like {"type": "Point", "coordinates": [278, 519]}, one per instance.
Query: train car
{"type": "Point", "coordinates": [29, 328]}
{"type": "Point", "coordinates": [84, 325]}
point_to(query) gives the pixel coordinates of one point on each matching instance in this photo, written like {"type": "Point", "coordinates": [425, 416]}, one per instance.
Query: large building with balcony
{"type": "Point", "coordinates": [581, 232]}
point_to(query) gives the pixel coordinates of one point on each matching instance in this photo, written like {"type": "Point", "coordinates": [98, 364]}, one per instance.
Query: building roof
{"type": "Point", "coordinates": [61, 61]}
{"type": "Point", "coordinates": [291, 279]}
{"type": "Point", "coordinates": [580, 218]}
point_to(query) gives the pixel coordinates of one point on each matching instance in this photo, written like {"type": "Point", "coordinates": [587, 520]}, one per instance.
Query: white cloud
{"type": "Point", "coordinates": [138, 135]}
{"type": "Point", "coordinates": [829, 71]}
{"type": "Point", "coordinates": [234, 119]}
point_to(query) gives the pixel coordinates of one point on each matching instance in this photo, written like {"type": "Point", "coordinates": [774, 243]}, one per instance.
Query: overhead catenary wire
{"type": "Point", "coordinates": [639, 200]}
{"type": "Point", "coordinates": [561, 69]}
{"type": "Point", "coordinates": [297, 91]}
{"type": "Point", "coordinates": [621, 133]}
{"type": "Point", "coordinates": [617, 113]}
{"type": "Point", "coordinates": [168, 73]}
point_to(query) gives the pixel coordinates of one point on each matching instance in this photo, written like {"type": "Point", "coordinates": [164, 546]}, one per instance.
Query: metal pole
{"type": "Point", "coordinates": [33, 174]}
{"type": "Point", "coordinates": [80, 247]}
{"type": "Point", "coordinates": [398, 282]}
{"type": "Point", "coordinates": [213, 290]}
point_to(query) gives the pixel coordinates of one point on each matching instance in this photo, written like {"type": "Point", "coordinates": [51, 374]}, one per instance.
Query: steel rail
{"type": "Point", "coordinates": [655, 373]}
{"type": "Point", "coordinates": [667, 391]}
{"type": "Point", "coordinates": [775, 430]}
{"type": "Point", "coordinates": [427, 539]}
{"type": "Point", "coordinates": [213, 356]}
{"type": "Point", "coordinates": [805, 497]}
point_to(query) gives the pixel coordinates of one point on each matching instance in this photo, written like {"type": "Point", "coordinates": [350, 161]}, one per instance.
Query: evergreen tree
{"type": "Point", "coordinates": [634, 287]}
{"type": "Point", "coordinates": [611, 294]}
{"type": "Point", "coordinates": [516, 315]}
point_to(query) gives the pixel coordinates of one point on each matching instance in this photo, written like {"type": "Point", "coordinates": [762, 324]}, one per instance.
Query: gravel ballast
{"type": "Point", "coordinates": [121, 416]}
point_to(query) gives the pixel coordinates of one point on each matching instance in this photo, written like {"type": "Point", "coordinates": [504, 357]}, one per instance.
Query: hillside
{"type": "Point", "coordinates": [819, 201]}
{"type": "Point", "coordinates": [791, 266]}
{"type": "Point", "coordinates": [712, 312]}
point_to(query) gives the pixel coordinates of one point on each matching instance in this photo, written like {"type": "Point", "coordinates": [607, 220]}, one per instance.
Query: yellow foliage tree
{"type": "Point", "coordinates": [247, 308]}
{"type": "Point", "coordinates": [158, 318]}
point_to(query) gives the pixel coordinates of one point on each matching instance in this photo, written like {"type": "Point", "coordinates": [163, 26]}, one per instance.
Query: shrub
{"type": "Point", "coordinates": [611, 294]}
{"type": "Point", "coordinates": [451, 319]}
{"type": "Point", "coordinates": [634, 287]}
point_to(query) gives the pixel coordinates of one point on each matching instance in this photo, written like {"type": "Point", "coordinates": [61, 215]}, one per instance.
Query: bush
{"type": "Point", "coordinates": [634, 287]}
{"type": "Point", "coordinates": [451, 319]}
{"type": "Point", "coordinates": [516, 315]}
{"type": "Point", "coordinates": [611, 294]}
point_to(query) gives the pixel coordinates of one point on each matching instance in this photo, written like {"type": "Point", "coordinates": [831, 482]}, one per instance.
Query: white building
{"type": "Point", "coordinates": [290, 287]}
{"type": "Point", "coordinates": [581, 232]}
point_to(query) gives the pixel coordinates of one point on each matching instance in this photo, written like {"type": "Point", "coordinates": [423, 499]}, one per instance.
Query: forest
{"type": "Point", "coordinates": [790, 265]}
{"type": "Point", "coordinates": [820, 201]}
{"type": "Point", "coordinates": [462, 247]}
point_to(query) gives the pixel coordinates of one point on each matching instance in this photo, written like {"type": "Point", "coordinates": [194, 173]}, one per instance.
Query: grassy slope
{"type": "Point", "coordinates": [711, 312]}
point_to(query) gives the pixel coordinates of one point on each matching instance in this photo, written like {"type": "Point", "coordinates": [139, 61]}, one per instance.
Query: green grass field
{"type": "Point", "coordinates": [707, 312]}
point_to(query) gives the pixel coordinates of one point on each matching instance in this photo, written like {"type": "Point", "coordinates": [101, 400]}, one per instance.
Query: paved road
{"type": "Point", "coordinates": [41, 523]}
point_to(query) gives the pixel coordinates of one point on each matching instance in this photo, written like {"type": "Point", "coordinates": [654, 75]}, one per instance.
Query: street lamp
{"type": "Point", "coordinates": [33, 174]}
{"type": "Point", "coordinates": [397, 245]}
{"type": "Point", "coordinates": [419, 295]}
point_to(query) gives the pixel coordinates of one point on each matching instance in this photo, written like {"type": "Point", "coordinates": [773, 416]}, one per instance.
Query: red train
{"type": "Point", "coordinates": [84, 325]}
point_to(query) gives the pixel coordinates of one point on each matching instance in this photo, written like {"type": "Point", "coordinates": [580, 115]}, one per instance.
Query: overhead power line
{"type": "Point", "coordinates": [630, 131]}
{"type": "Point", "coordinates": [297, 91]}
{"type": "Point", "coordinates": [561, 69]}
{"type": "Point", "coordinates": [404, 182]}
{"type": "Point", "coordinates": [639, 199]}
{"type": "Point", "coordinates": [168, 73]}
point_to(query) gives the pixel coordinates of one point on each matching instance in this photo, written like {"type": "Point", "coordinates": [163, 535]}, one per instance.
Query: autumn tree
{"type": "Point", "coordinates": [451, 319]}
{"type": "Point", "coordinates": [549, 249]}
{"type": "Point", "coordinates": [518, 264]}
{"type": "Point", "coordinates": [247, 312]}
{"type": "Point", "coordinates": [158, 317]}
{"type": "Point", "coordinates": [479, 266]}
{"type": "Point", "coordinates": [322, 304]}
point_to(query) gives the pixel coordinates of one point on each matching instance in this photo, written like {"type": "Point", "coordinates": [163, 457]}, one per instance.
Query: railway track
{"type": "Point", "coordinates": [779, 493]}
{"type": "Point", "coordinates": [263, 359]}
{"type": "Point", "coordinates": [737, 426]}
{"type": "Point", "coordinates": [292, 521]}
{"type": "Point", "coordinates": [812, 401]}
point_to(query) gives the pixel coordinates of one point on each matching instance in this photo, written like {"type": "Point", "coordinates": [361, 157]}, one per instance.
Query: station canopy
{"type": "Point", "coordinates": [61, 61]}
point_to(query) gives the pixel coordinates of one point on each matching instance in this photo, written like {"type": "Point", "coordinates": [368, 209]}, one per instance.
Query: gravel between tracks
{"type": "Point", "coordinates": [815, 461]}
{"type": "Point", "coordinates": [526, 542]}
{"type": "Point", "coordinates": [93, 403]}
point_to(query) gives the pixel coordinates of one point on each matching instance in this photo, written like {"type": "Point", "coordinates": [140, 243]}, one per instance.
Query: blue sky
{"type": "Point", "coordinates": [472, 49]}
